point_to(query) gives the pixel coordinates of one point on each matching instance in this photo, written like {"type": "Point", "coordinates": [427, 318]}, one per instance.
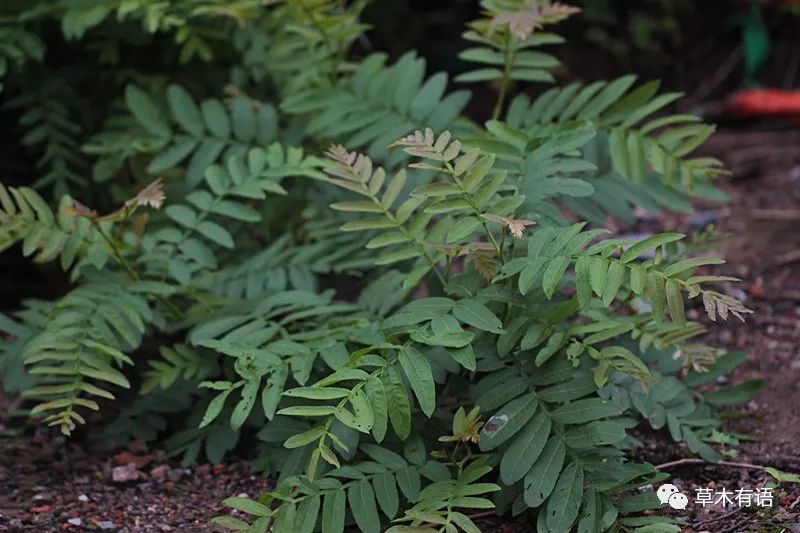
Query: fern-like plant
{"type": "Point", "coordinates": [415, 315]}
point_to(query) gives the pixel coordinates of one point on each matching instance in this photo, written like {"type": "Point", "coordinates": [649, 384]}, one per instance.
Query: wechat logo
{"type": "Point", "coordinates": [669, 494]}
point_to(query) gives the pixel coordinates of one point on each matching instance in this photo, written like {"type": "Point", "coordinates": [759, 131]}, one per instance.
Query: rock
{"type": "Point", "coordinates": [175, 474]}
{"type": "Point", "coordinates": [106, 525]}
{"type": "Point", "coordinates": [15, 524]}
{"type": "Point", "coordinates": [159, 472]}
{"type": "Point", "coordinates": [84, 498]}
{"type": "Point", "coordinates": [126, 458]}
{"type": "Point", "coordinates": [75, 521]}
{"type": "Point", "coordinates": [43, 498]}
{"type": "Point", "coordinates": [123, 474]}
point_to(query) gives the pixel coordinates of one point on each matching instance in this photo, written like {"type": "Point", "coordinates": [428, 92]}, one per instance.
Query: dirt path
{"type": "Point", "coordinates": [42, 488]}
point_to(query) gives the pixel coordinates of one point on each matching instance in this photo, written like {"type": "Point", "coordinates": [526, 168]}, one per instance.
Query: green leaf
{"type": "Point", "coordinates": [614, 279]}
{"type": "Point", "coordinates": [146, 111]}
{"type": "Point", "coordinates": [649, 243]}
{"type": "Point", "coordinates": [585, 410]}
{"type": "Point", "coordinates": [619, 154]}
{"type": "Point", "coordinates": [583, 286]}
{"type": "Point", "coordinates": [216, 233]}
{"type": "Point", "coordinates": [474, 313]}
{"type": "Point", "coordinates": [656, 295]}
{"type": "Point", "coordinates": [386, 493]}
{"type": "Point", "coordinates": [462, 228]}
{"type": "Point", "coordinates": [418, 370]}
{"type": "Point", "coordinates": [317, 393]}
{"type": "Point", "coordinates": [368, 224]}
{"type": "Point", "coordinates": [173, 155]}
{"type": "Point", "coordinates": [307, 513]}
{"type": "Point", "coordinates": [362, 502]}
{"type": "Point", "coordinates": [638, 279]}
{"type": "Point", "coordinates": [397, 396]}
{"type": "Point", "coordinates": [185, 111]}
{"type": "Point", "coordinates": [393, 190]}
{"type": "Point", "coordinates": [215, 407]}
{"type": "Point", "coordinates": [741, 393]}
{"type": "Point", "coordinates": [782, 477]}
{"type": "Point", "coordinates": [244, 119]}
{"type": "Point", "coordinates": [530, 273]}
{"type": "Point", "coordinates": [597, 433]}
{"type": "Point", "coordinates": [699, 447]}
{"type": "Point", "coordinates": [591, 512]}
{"type": "Point", "coordinates": [307, 410]}
{"type": "Point", "coordinates": [598, 272]}
{"type": "Point", "coordinates": [245, 405]}
{"type": "Point", "coordinates": [563, 505]}
{"type": "Point", "coordinates": [721, 366]}
{"type": "Point", "coordinates": [306, 437]}
{"type": "Point", "coordinates": [401, 254]}
{"type": "Point", "coordinates": [216, 118]}
{"type": "Point", "coordinates": [554, 343]}
{"type": "Point", "coordinates": [525, 449]}
{"type": "Point", "coordinates": [691, 264]}
{"type": "Point", "coordinates": [507, 421]}
{"type": "Point", "coordinates": [449, 339]}
{"type": "Point", "coordinates": [675, 302]}
{"type": "Point", "coordinates": [541, 479]}
{"type": "Point", "coordinates": [229, 522]}
{"type": "Point", "coordinates": [248, 506]}
{"type": "Point", "coordinates": [377, 399]}
{"type": "Point", "coordinates": [333, 511]}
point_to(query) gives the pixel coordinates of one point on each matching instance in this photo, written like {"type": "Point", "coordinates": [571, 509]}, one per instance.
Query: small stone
{"type": "Point", "coordinates": [159, 472]}
{"type": "Point", "coordinates": [15, 524]}
{"type": "Point", "coordinates": [43, 498]}
{"type": "Point", "coordinates": [175, 474]}
{"type": "Point", "coordinates": [126, 458]}
{"type": "Point", "coordinates": [84, 498]}
{"type": "Point", "coordinates": [106, 525]}
{"type": "Point", "coordinates": [122, 474]}
{"type": "Point", "coordinates": [42, 509]}
{"type": "Point", "coordinates": [75, 521]}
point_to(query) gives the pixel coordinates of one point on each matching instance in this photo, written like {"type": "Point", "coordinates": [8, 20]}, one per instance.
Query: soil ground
{"type": "Point", "coordinates": [49, 485]}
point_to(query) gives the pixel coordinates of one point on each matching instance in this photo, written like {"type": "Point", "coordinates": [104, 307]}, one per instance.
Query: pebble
{"type": "Point", "coordinates": [75, 521]}
{"type": "Point", "coordinates": [106, 525]}
{"type": "Point", "coordinates": [175, 474]}
{"type": "Point", "coordinates": [122, 474]}
{"type": "Point", "coordinates": [159, 472]}
{"type": "Point", "coordinates": [83, 497]}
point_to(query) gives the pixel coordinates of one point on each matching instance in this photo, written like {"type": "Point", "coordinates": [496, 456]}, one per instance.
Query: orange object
{"type": "Point", "coordinates": [765, 102]}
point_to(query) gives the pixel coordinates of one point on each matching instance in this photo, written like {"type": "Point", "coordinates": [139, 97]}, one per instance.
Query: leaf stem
{"type": "Point", "coordinates": [130, 271]}
{"type": "Point", "coordinates": [505, 82]}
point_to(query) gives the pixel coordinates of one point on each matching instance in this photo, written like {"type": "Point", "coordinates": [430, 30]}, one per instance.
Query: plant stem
{"type": "Point", "coordinates": [680, 462]}
{"type": "Point", "coordinates": [130, 271]}
{"type": "Point", "coordinates": [505, 82]}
